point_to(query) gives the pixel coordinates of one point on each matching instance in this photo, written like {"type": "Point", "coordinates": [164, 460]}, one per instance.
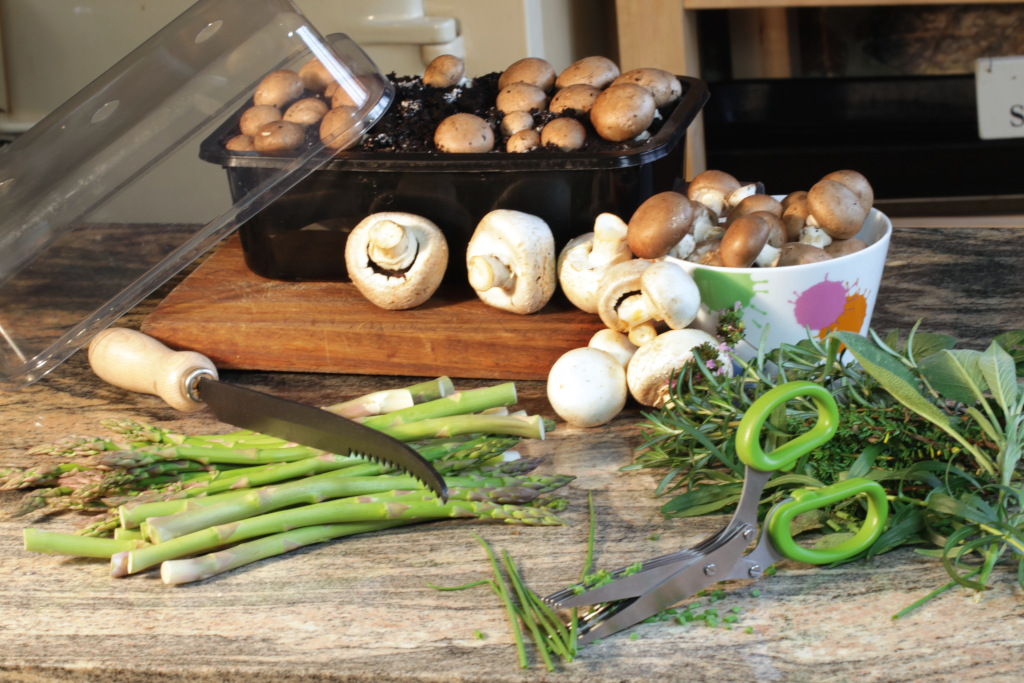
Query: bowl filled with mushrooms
{"type": "Point", "coordinates": [801, 264]}
{"type": "Point", "coordinates": [562, 145]}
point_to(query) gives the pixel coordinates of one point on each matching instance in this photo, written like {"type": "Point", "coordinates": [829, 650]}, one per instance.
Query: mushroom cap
{"type": "Point", "coordinates": [413, 284]}
{"type": "Point", "coordinates": [839, 248]}
{"type": "Point", "coordinates": [314, 76]}
{"type": "Point", "coordinates": [587, 387]}
{"type": "Point", "coordinates": [795, 197]}
{"type": "Point", "coordinates": [340, 97]}
{"type": "Point", "coordinates": [240, 143]}
{"type": "Point", "coordinates": [665, 87]}
{"type": "Point", "coordinates": [656, 362]}
{"type": "Point", "coordinates": [574, 100]}
{"type": "Point", "coordinates": [464, 133]}
{"type": "Point", "coordinates": [856, 182]}
{"type": "Point", "coordinates": [619, 281]}
{"type": "Point", "coordinates": [752, 203]}
{"type": "Point", "coordinates": [256, 117]}
{"type": "Point", "coordinates": [515, 121]}
{"type": "Point", "coordinates": [525, 244]}
{"type": "Point", "coordinates": [836, 208]}
{"type": "Point", "coordinates": [711, 187]}
{"type": "Point", "coordinates": [333, 125]}
{"type": "Point", "coordinates": [743, 241]}
{"type": "Point", "coordinates": [532, 70]}
{"type": "Point", "coordinates": [306, 112]}
{"type": "Point", "coordinates": [672, 292]}
{"type": "Point", "coordinates": [795, 217]}
{"type": "Point", "coordinates": [659, 223]}
{"type": "Point", "coordinates": [278, 88]}
{"type": "Point", "coordinates": [525, 140]}
{"type": "Point", "coordinates": [615, 343]}
{"type": "Point", "coordinates": [565, 133]}
{"type": "Point", "coordinates": [595, 70]}
{"type": "Point", "coordinates": [799, 254]}
{"type": "Point", "coordinates": [521, 96]}
{"type": "Point", "coordinates": [584, 259]}
{"type": "Point", "coordinates": [444, 71]}
{"type": "Point", "coordinates": [278, 137]}
{"type": "Point", "coordinates": [621, 112]}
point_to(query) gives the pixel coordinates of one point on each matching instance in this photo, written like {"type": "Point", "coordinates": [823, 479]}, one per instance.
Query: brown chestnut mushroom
{"type": "Point", "coordinates": [444, 71]}
{"type": "Point", "coordinates": [278, 137]}
{"type": "Point", "coordinates": [334, 123]}
{"type": "Point", "coordinates": [240, 143]}
{"type": "Point", "coordinates": [836, 209]}
{"type": "Point", "coordinates": [659, 224]}
{"type": "Point", "coordinates": [596, 71]}
{"type": "Point", "coordinates": [622, 112]}
{"type": "Point", "coordinates": [574, 100]}
{"type": "Point", "coordinates": [521, 97]}
{"type": "Point", "coordinates": [665, 87]}
{"type": "Point", "coordinates": [306, 112]}
{"type": "Point", "coordinates": [856, 182]}
{"type": "Point", "coordinates": [532, 70]}
{"type": "Point", "coordinates": [840, 248]}
{"type": "Point", "coordinates": [711, 188]}
{"type": "Point", "coordinates": [515, 121]}
{"type": "Point", "coordinates": [799, 254]}
{"type": "Point", "coordinates": [256, 117]}
{"type": "Point", "coordinates": [314, 76]}
{"type": "Point", "coordinates": [525, 140]}
{"type": "Point", "coordinates": [744, 240]}
{"type": "Point", "coordinates": [278, 88]}
{"type": "Point", "coordinates": [564, 133]}
{"type": "Point", "coordinates": [464, 133]}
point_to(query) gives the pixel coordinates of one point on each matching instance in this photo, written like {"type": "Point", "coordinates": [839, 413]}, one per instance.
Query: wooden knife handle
{"type": "Point", "coordinates": [137, 362]}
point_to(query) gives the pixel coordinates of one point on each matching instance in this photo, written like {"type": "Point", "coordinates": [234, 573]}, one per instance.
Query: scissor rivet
{"type": "Point", "coordinates": [748, 533]}
{"type": "Point", "coordinates": [710, 569]}
{"type": "Point", "coordinates": [754, 571]}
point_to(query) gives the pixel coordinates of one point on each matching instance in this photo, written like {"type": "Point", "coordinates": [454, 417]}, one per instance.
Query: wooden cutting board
{"type": "Point", "coordinates": [243, 321]}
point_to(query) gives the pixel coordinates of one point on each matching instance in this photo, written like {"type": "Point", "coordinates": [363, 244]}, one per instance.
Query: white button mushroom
{"type": "Point", "coordinates": [585, 258]}
{"type": "Point", "coordinates": [615, 343]}
{"type": "Point", "coordinates": [397, 260]}
{"type": "Point", "coordinates": [655, 363]}
{"type": "Point", "coordinates": [587, 387]}
{"type": "Point", "coordinates": [667, 294]}
{"type": "Point", "coordinates": [510, 261]}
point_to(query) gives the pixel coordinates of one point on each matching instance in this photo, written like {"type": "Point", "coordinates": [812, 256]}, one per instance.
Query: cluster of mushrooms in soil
{"type": "Point", "coordinates": [622, 271]}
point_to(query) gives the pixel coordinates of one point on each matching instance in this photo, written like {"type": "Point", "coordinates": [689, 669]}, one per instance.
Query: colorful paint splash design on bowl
{"type": "Point", "coordinates": [826, 306]}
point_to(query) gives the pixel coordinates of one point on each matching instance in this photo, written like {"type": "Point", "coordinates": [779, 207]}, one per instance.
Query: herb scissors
{"type": "Point", "coordinates": [636, 594]}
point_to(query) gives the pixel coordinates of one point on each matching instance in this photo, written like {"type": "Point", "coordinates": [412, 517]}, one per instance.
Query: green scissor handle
{"type": "Point", "coordinates": [748, 434]}
{"type": "Point", "coordinates": [807, 499]}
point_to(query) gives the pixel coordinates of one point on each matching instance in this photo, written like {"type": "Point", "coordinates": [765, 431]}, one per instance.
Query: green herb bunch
{"type": "Point", "coordinates": [941, 428]}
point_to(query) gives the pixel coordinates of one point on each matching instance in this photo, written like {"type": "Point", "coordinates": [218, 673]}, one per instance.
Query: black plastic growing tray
{"type": "Point", "coordinates": [301, 236]}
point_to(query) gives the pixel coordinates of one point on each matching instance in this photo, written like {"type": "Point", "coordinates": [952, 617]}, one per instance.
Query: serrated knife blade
{"type": "Point", "coordinates": [188, 380]}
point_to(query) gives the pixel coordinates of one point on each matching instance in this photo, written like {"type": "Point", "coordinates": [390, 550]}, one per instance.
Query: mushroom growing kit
{"type": "Point", "coordinates": [301, 236]}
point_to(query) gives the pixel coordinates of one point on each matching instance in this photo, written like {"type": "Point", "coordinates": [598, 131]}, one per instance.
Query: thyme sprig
{"type": "Point", "coordinates": [941, 428]}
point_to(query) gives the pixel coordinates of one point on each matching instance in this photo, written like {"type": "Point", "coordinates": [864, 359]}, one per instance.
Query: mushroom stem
{"type": "Point", "coordinates": [609, 241]}
{"type": "Point", "coordinates": [390, 246]}
{"type": "Point", "coordinates": [642, 333]}
{"type": "Point", "coordinates": [487, 272]}
{"type": "Point", "coordinates": [636, 309]}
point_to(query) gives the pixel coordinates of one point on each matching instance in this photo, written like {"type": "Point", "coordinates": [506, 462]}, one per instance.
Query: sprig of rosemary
{"type": "Point", "coordinates": [942, 429]}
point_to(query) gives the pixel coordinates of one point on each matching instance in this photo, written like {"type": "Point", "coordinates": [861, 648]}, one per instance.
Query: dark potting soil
{"type": "Point", "coordinates": [417, 109]}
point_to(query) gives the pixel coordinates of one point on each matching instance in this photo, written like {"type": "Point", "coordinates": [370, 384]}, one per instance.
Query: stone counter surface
{"type": "Point", "coordinates": [361, 609]}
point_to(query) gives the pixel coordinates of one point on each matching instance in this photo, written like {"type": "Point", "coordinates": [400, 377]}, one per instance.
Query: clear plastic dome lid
{"type": "Point", "coordinates": [108, 197]}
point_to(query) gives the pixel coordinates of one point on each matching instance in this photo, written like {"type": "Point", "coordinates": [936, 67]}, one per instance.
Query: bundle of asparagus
{"type": "Point", "coordinates": [200, 505]}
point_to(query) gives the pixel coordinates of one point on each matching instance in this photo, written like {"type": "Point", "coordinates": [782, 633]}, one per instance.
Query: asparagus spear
{"type": "Point", "coordinates": [317, 489]}
{"type": "Point", "coordinates": [176, 572]}
{"type": "Point", "coordinates": [459, 403]}
{"type": "Point", "coordinates": [410, 506]}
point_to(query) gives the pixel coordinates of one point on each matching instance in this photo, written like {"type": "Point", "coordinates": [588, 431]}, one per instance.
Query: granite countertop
{"type": "Point", "coordinates": [361, 608]}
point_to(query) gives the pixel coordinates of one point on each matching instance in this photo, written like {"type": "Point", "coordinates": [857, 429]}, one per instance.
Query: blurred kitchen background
{"type": "Point", "coordinates": [795, 91]}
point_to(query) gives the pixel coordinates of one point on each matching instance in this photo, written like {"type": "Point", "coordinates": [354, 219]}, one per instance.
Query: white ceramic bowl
{"type": "Point", "coordinates": [789, 301]}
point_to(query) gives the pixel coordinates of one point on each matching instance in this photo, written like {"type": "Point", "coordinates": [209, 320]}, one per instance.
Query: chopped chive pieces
{"type": "Point", "coordinates": [756, 592]}
{"type": "Point", "coordinates": [749, 629]}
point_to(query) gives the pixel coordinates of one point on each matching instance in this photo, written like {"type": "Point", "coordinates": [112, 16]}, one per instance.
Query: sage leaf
{"type": "Point", "coordinates": [924, 344]}
{"type": "Point", "coordinates": [997, 367]}
{"type": "Point", "coordinates": [955, 374]}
